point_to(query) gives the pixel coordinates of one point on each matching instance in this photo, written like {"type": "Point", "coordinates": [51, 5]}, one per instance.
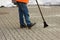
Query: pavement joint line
{"type": "Point", "coordinates": [49, 24]}
{"type": "Point", "coordinates": [40, 6]}
{"type": "Point", "coordinates": [46, 7]}
{"type": "Point", "coordinates": [53, 15]}
{"type": "Point", "coordinates": [46, 16]}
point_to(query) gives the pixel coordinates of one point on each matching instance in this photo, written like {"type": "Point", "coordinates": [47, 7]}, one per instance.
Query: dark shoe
{"type": "Point", "coordinates": [30, 25]}
{"type": "Point", "coordinates": [23, 26]}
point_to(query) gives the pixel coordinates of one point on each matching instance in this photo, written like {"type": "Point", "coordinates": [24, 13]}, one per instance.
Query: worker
{"type": "Point", "coordinates": [24, 14]}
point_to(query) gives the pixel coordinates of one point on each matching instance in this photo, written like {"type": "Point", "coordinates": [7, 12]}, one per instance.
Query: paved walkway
{"type": "Point", "coordinates": [10, 29]}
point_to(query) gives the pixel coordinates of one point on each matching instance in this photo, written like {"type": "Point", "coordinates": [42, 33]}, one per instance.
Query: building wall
{"type": "Point", "coordinates": [45, 2]}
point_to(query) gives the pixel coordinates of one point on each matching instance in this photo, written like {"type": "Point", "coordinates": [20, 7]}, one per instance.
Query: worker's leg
{"type": "Point", "coordinates": [20, 14]}
{"type": "Point", "coordinates": [26, 14]}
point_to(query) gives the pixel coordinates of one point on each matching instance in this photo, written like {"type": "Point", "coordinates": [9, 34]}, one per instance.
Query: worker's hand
{"type": "Point", "coordinates": [14, 1]}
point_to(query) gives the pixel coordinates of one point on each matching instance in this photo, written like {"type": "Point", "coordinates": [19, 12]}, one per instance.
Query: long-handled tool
{"type": "Point", "coordinates": [45, 24]}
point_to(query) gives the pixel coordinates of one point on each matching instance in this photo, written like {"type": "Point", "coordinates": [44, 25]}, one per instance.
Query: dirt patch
{"type": "Point", "coordinates": [3, 13]}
